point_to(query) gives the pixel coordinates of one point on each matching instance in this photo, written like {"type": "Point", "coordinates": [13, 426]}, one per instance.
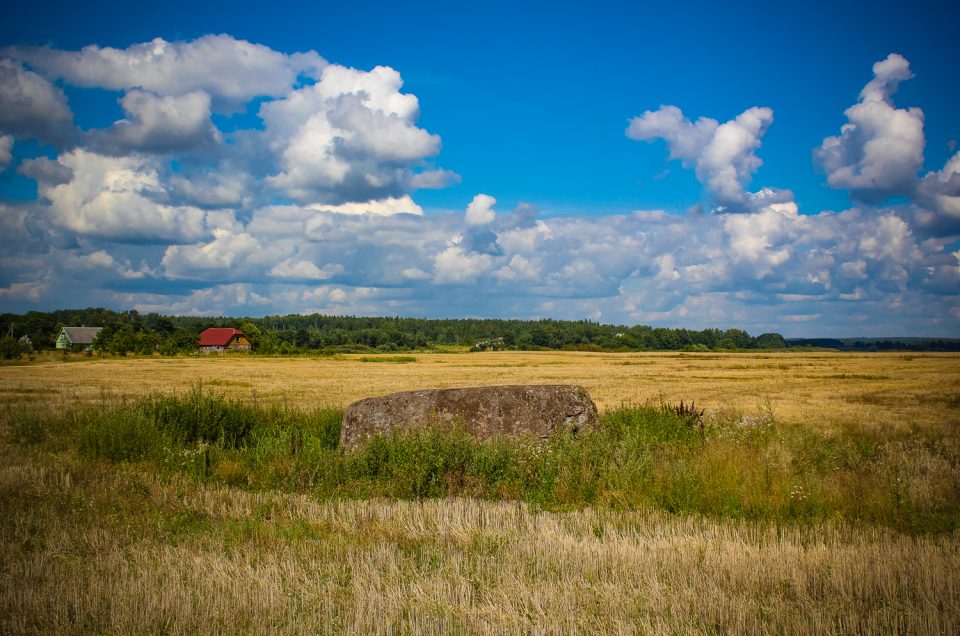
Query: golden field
{"type": "Point", "coordinates": [119, 547]}
{"type": "Point", "coordinates": [878, 389]}
{"type": "Point", "coordinates": [122, 552]}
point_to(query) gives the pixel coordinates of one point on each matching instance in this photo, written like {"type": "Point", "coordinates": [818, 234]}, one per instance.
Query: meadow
{"type": "Point", "coordinates": [820, 493]}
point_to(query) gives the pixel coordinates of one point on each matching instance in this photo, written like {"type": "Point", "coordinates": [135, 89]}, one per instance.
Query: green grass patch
{"type": "Point", "coordinates": [734, 466]}
{"type": "Point", "coordinates": [390, 359]}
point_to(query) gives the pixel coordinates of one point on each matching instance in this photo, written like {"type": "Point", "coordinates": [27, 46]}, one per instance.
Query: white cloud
{"type": "Point", "coordinates": [100, 258]}
{"type": "Point", "coordinates": [304, 270]}
{"type": "Point", "coordinates": [349, 137]}
{"type": "Point", "coordinates": [231, 71]}
{"type": "Point", "coordinates": [480, 211]}
{"type": "Point", "coordinates": [23, 291]}
{"type": "Point", "coordinates": [685, 139]}
{"type": "Point", "coordinates": [117, 198]}
{"type": "Point", "coordinates": [456, 265]}
{"type": "Point", "coordinates": [30, 106]}
{"type": "Point", "coordinates": [414, 274]}
{"type": "Point", "coordinates": [160, 124]}
{"type": "Point", "coordinates": [698, 271]}
{"type": "Point", "coordinates": [880, 149]}
{"type": "Point", "coordinates": [519, 268]}
{"type": "Point", "coordinates": [206, 261]}
{"type": "Point", "coordinates": [6, 151]}
{"type": "Point", "coordinates": [379, 207]}
{"type": "Point", "coordinates": [215, 189]}
{"type": "Point", "coordinates": [46, 171]}
{"type": "Point", "coordinates": [761, 238]}
{"type": "Point", "coordinates": [219, 300]}
{"type": "Point", "coordinates": [162, 215]}
{"type": "Point", "coordinates": [938, 198]}
{"type": "Point", "coordinates": [722, 154]}
{"type": "Point", "coordinates": [889, 240]}
{"type": "Point", "coordinates": [434, 179]}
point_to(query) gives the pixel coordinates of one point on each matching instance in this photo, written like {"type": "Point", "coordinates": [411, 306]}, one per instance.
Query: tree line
{"type": "Point", "coordinates": [133, 332]}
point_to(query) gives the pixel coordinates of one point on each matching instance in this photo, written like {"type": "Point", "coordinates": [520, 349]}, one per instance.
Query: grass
{"type": "Point", "coordinates": [96, 548]}
{"type": "Point", "coordinates": [229, 508]}
{"type": "Point", "coordinates": [393, 359]}
{"type": "Point", "coordinates": [734, 466]}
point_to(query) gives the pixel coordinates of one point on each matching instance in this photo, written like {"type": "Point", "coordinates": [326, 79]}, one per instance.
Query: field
{"type": "Point", "coordinates": [822, 496]}
{"type": "Point", "coordinates": [819, 389]}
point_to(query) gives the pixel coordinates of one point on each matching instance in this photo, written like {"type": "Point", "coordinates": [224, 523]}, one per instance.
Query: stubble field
{"type": "Point", "coordinates": [821, 389]}
{"type": "Point", "coordinates": [96, 545]}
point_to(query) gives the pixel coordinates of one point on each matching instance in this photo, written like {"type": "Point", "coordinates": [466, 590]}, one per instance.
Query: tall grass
{"type": "Point", "coordinates": [747, 467]}
{"type": "Point", "coordinates": [90, 547]}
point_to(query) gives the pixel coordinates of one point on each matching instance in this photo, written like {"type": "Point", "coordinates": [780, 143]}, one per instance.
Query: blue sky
{"type": "Point", "coordinates": [207, 189]}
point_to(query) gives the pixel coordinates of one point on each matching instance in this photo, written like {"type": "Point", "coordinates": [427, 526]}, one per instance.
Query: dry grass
{"type": "Point", "coordinates": [91, 549]}
{"type": "Point", "coordinates": [817, 388]}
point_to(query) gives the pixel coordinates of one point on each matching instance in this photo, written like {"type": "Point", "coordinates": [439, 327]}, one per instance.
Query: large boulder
{"type": "Point", "coordinates": [484, 411]}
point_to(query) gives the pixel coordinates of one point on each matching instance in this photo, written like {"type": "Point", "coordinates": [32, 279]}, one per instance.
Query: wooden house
{"type": "Point", "coordinates": [77, 338]}
{"type": "Point", "coordinates": [220, 339]}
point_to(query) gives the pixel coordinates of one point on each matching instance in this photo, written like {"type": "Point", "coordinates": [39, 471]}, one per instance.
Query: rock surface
{"type": "Point", "coordinates": [485, 411]}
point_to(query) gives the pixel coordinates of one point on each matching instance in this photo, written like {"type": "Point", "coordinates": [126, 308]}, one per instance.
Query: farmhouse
{"type": "Point", "coordinates": [77, 338]}
{"type": "Point", "coordinates": [220, 339]}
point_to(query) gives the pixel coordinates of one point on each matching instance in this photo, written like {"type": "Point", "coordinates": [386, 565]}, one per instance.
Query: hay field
{"type": "Point", "coordinates": [91, 545]}
{"type": "Point", "coordinates": [119, 551]}
{"type": "Point", "coordinates": [815, 388]}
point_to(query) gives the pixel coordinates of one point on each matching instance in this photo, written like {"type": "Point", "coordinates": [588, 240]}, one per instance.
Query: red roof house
{"type": "Point", "coordinates": [220, 339]}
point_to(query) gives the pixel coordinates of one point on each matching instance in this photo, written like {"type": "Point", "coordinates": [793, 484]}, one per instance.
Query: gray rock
{"type": "Point", "coordinates": [484, 411]}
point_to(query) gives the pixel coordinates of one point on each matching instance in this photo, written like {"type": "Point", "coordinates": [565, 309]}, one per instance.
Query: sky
{"type": "Point", "coordinates": [789, 169]}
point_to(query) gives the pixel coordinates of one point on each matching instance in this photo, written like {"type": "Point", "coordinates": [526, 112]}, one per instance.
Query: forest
{"type": "Point", "coordinates": [133, 332]}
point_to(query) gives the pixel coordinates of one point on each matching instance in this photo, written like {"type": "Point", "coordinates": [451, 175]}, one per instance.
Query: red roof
{"type": "Point", "coordinates": [218, 336]}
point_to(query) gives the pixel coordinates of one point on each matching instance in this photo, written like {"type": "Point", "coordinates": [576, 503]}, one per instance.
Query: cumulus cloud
{"type": "Point", "coordinates": [457, 265]}
{"type": "Point", "coordinates": [212, 189]}
{"type": "Point", "coordinates": [749, 270]}
{"type": "Point", "coordinates": [6, 151]}
{"type": "Point", "coordinates": [46, 171]}
{"type": "Point", "coordinates": [938, 199]}
{"type": "Point", "coordinates": [304, 270]}
{"type": "Point", "coordinates": [351, 136]}
{"type": "Point", "coordinates": [232, 71]}
{"type": "Point", "coordinates": [723, 155]}
{"type": "Point", "coordinates": [32, 107]}
{"type": "Point", "coordinates": [23, 291]}
{"type": "Point", "coordinates": [759, 239]}
{"type": "Point", "coordinates": [880, 149]}
{"type": "Point", "coordinates": [209, 260]}
{"type": "Point", "coordinates": [379, 207]}
{"type": "Point", "coordinates": [117, 198]}
{"type": "Point", "coordinates": [336, 139]}
{"type": "Point", "coordinates": [642, 267]}
{"type": "Point", "coordinates": [434, 179]}
{"type": "Point", "coordinates": [163, 212]}
{"type": "Point", "coordinates": [480, 211]}
{"type": "Point", "coordinates": [159, 124]}
{"type": "Point", "coordinates": [228, 298]}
